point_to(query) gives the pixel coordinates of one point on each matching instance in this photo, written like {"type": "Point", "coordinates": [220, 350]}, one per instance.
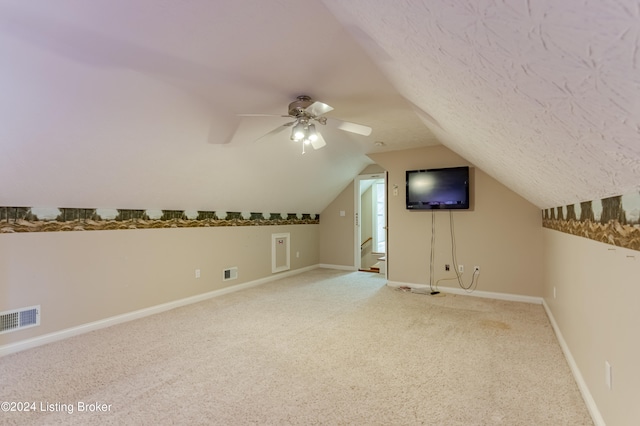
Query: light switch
{"type": "Point", "coordinates": [342, 213]}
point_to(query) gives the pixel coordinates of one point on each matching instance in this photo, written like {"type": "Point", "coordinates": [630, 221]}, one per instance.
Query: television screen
{"type": "Point", "coordinates": [438, 189]}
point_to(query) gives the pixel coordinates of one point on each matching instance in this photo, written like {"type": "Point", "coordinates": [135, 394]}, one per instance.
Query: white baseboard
{"type": "Point", "coordinates": [340, 267]}
{"type": "Point", "coordinates": [582, 385]}
{"type": "Point", "coordinates": [476, 293]}
{"type": "Point", "coordinates": [130, 316]}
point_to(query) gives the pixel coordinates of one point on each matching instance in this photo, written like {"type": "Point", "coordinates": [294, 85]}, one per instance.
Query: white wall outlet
{"type": "Point", "coordinates": [297, 254]}
{"type": "Point", "coordinates": [461, 269]}
{"type": "Point", "coordinates": [197, 273]}
{"type": "Point", "coordinates": [476, 269]}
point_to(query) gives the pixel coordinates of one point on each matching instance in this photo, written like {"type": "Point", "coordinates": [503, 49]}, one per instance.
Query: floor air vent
{"type": "Point", "coordinates": [19, 319]}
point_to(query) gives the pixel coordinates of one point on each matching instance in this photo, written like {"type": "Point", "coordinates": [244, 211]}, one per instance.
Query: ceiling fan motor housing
{"type": "Point", "coordinates": [297, 108]}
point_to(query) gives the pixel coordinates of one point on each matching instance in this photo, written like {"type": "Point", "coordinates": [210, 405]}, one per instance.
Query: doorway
{"type": "Point", "coordinates": [371, 223]}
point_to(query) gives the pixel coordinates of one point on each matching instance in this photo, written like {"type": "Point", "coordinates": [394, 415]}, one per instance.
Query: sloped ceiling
{"type": "Point", "coordinates": [544, 95]}
{"type": "Point", "coordinates": [134, 103]}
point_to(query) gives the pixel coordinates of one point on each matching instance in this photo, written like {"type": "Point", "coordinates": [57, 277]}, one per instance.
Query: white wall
{"type": "Point", "coordinates": [501, 233]}
{"type": "Point", "coordinates": [337, 231]}
{"type": "Point", "coordinates": [597, 309]}
{"type": "Point", "coordinates": [81, 277]}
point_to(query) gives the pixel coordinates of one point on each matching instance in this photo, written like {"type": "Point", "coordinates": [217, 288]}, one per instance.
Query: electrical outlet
{"type": "Point", "coordinates": [446, 267]}
{"type": "Point", "coordinates": [297, 254]}
{"type": "Point", "coordinates": [461, 269]}
{"type": "Point", "coordinates": [476, 269]}
{"type": "Point", "coordinates": [197, 273]}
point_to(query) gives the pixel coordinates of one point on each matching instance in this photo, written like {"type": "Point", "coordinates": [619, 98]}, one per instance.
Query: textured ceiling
{"type": "Point", "coordinates": [542, 95]}
{"type": "Point", "coordinates": [134, 103]}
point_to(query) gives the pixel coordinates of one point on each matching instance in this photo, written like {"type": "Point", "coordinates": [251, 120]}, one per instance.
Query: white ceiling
{"type": "Point", "coordinates": [134, 103]}
{"type": "Point", "coordinates": [543, 95]}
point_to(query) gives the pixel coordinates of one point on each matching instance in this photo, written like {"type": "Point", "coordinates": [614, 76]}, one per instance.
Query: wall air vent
{"type": "Point", "coordinates": [19, 319]}
{"type": "Point", "coordinates": [230, 274]}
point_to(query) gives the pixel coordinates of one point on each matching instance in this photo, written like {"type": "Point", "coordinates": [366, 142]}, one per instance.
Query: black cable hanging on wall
{"type": "Point", "coordinates": [474, 277]}
{"type": "Point", "coordinates": [434, 288]}
{"type": "Point", "coordinates": [433, 256]}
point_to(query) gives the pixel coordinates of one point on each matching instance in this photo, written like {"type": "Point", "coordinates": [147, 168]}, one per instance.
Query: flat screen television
{"type": "Point", "coordinates": [431, 189]}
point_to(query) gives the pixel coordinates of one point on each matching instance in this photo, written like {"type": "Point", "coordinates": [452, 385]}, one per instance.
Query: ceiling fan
{"type": "Point", "coordinates": [305, 111]}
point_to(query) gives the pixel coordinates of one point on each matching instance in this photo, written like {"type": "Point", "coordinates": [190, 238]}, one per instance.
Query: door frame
{"type": "Point", "coordinates": [358, 215]}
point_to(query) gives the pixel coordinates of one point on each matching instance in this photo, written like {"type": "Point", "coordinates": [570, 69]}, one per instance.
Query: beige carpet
{"type": "Point", "coordinates": [323, 347]}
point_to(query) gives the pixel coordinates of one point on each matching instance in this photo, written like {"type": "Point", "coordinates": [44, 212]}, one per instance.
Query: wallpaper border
{"type": "Point", "coordinates": [613, 220]}
{"type": "Point", "coordinates": [31, 219]}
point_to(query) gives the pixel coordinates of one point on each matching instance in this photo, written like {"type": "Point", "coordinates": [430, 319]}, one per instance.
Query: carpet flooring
{"type": "Point", "coordinates": [324, 347]}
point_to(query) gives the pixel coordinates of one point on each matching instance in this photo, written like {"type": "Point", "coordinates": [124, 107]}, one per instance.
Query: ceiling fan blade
{"type": "Point", "coordinates": [318, 143]}
{"type": "Point", "coordinates": [262, 115]}
{"type": "Point", "coordinates": [317, 109]}
{"type": "Point", "coordinates": [275, 131]}
{"type": "Point", "coordinates": [250, 129]}
{"type": "Point", "coordinates": [350, 127]}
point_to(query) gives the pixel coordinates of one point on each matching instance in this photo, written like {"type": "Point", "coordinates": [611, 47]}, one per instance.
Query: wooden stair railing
{"type": "Point", "coordinates": [365, 242]}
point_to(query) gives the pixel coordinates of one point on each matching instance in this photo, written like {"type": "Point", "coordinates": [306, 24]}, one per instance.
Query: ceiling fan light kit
{"type": "Point", "coordinates": [298, 131]}
{"type": "Point", "coordinates": [303, 131]}
{"type": "Point", "coordinates": [305, 110]}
